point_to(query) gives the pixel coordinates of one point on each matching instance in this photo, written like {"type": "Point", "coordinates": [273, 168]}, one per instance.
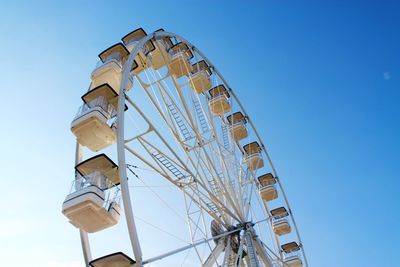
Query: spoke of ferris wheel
{"type": "Point", "coordinates": [248, 199]}
{"type": "Point", "coordinates": [194, 227]}
{"type": "Point", "coordinates": [224, 189]}
{"type": "Point", "coordinates": [213, 129]}
{"type": "Point", "coordinates": [162, 89]}
{"type": "Point", "coordinates": [225, 192]}
{"type": "Point", "coordinates": [157, 133]}
{"type": "Point", "coordinates": [228, 253]}
{"type": "Point", "coordinates": [155, 148]}
{"type": "Point", "coordinates": [190, 212]}
{"type": "Point", "coordinates": [191, 246]}
{"type": "Point", "coordinates": [199, 193]}
{"type": "Point", "coordinates": [262, 252]}
{"type": "Point", "coordinates": [218, 249]}
{"type": "Point", "coordinates": [166, 176]}
{"type": "Point", "coordinates": [166, 95]}
{"type": "Point", "coordinates": [251, 251]}
{"type": "Point", "coordinates": [239, 255]}
{"type": "Point", "coordinates": [186, 108]}
{"type": "Point", "coordinates": [172, 151]}
{"type": "Point", "coordinates": [225, 185]}
{"type": "Point", "coordinates": [155, 130]}
{"type": "Point", "coordinates": [209, 165]}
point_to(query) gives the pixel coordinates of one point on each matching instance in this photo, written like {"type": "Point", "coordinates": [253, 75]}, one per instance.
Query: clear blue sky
{"type": "Point", "coordinates": [321, 80]}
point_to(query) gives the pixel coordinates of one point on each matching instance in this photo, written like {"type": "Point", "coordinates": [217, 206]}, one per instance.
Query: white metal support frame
{"type": "Point", "coordinates": [130, 220]}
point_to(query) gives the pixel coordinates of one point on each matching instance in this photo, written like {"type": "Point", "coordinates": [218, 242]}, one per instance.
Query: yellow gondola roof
{"type": "Point", "coordinates": [179, 47]}
{"type": "Point", "coordinates": [201, 65]}
{"type": "Point", "coordinates": [279, 212]}
{"type": "Point", "coordinates": [136, 34]}
{"type": "Point", "coordinates": [290, 247]}
{"type": "Point", "coordinates": [236, 117]}
{"type": "Point", "coordinates": [251, 148]}
{"type": "Point", "coordinates": [118, 258]}
{"type": "Point", "coordinates": [267, 179]}
{"type": "Point", "coordinates": [104, 90]}
{"type": "Point", "coordinates": [100, 163]}
{"type": "Point", "coordinates": [119, 48]}
{"type": "Point", "coordinates": [218, 90]}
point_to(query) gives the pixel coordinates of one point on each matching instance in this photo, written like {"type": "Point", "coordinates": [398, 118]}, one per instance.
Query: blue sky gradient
{"type": "Point", "coordinates": [320, 80]}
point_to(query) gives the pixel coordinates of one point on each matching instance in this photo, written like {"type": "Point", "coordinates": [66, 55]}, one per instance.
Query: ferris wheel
{"type": "Point", "coordinates": [155, 101]}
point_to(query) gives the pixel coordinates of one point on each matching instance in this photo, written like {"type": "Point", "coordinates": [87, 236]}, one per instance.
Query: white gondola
{"type": "Point", "coordinates": [267, 187]}
{"type": "Point", "coordinates": [160, 57]}
{"type": "Point", "coordinates": [90, 207]}
{"type": "Point", "coordinates": [219, 102]}
{"type": "Point", "coordinates": [280, 224]}
{"type": "Point", "coordinates": [131, 40]}
{"type": "Point", "coordinates": [90, 125]}
{"type": "Point", "coordinates": [109, 69]}
{"type": "Point", "coordinates": [291, 258]}
{"type": "Point", "coordinates": [237, 126]}
{"type": "Point", "coordinates": [199, 79]}
{"type": "Point", "coordinates": [86, 207]}
{"type": "Point", "coordinates": [253, 157]}
{"type": "Point", "coordinates": [180, 55]}
{"type": "Point", "coordinates": [118, 259]}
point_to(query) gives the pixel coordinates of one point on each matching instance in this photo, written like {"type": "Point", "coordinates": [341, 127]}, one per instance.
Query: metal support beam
{"type": "Point", "coordinates": [212, 259]}
{"type": "Point", "coordinates": [251, 251]}
{"type": "Point", "coordinates": [228, 252]}
{"type": "Point", "coordinates": [130, 221]}
{"type": "Point", "coordinates": [87, 254]}
{"type": "Point", "coordinates": [223, 235]}
{"type": "Point", "coordinates": [262, 252]}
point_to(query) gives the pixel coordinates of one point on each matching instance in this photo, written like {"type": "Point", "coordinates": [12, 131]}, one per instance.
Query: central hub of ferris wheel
{"type": "Point", "coordinates": [156, 101]}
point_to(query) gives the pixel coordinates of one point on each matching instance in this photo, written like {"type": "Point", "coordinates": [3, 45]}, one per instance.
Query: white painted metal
{"type": "Point", "coordinates": [251, 249]}
{"type": "Point", "coordinates": [87, 254]}
{"type": "Point", "coordinates": [212, 258]}
{"type": "Point", "coordinates": [263, 254]}
{"type": "Point", "coordinates": [211, 176]}
{"type": "Point", "coordinates": [228, 254]}
{"type": "Point", "coordinates": [225, 234]}
{"type": "Point", "coordinates": [130, 220]}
